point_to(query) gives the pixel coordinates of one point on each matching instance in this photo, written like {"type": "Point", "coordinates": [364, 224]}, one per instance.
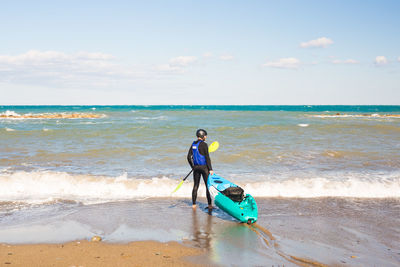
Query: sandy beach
{"type": "Point", "coordinates": [289, 232]}
{"type": "Point", "coordinates": [85, 253]}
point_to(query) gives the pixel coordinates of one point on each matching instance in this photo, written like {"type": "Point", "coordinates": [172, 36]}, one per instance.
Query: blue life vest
{"type": "Point", "coordinates": [198, 159]}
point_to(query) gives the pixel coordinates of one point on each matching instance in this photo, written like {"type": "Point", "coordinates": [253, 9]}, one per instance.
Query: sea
{"type": "Point", "coordinates": [54, 165]}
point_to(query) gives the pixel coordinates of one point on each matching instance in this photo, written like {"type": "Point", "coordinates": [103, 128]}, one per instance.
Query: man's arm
{"type": "Point", "coordinates": [190, 157]}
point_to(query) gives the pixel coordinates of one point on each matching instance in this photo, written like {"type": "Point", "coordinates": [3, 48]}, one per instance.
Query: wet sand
{"type": "Point", "coordinates": [289, 232]}
{"type": "Point", "coordinates": [85, 253]}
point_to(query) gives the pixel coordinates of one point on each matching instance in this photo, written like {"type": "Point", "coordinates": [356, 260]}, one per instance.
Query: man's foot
{"type": "Point", "coordinates": [209, 209]}
{"type": "Point", "coordinates": [194, 206]}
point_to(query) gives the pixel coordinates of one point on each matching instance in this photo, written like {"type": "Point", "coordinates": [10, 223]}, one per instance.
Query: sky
{"type": "Point", "coordinates": [200, 52]}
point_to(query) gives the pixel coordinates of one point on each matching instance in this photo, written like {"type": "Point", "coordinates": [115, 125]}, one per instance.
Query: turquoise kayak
{"type": "Point", "coordinates": [231, 199]}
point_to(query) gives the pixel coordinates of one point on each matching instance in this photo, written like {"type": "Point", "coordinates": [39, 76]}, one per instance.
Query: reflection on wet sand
{"type": "Point", "coordinates": [227, 243]}
{"type": "Point", "coordinates": [238, 243]}
{"type": "Point", "coordinates": [202, 235]}
{"type": "Point", "coordinates": [271, 242]}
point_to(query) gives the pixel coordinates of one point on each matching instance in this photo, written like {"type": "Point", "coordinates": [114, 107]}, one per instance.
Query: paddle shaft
{"type": "Point", "coordinates": [184, 179]}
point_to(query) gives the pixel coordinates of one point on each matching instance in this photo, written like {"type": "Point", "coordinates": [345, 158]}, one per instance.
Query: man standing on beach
{"type": "Point", "coordinates": [200, 161]}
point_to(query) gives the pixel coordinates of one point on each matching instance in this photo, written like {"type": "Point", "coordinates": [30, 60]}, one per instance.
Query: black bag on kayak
{"type": "Point", "coordinates": [234, 193]}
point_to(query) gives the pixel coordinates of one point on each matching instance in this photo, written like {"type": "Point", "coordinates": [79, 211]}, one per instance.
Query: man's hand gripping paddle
{"type": "Point", "coordinates": [213, 147]}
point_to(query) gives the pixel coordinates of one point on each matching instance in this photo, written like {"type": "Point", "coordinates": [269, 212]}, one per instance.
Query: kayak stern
{"type": "Point", "coordinates": [244, 211]}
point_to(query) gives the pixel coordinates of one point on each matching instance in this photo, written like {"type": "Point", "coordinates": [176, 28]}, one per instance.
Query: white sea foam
{"type": "Point", "coordinates": [41, 186]}
{"type": "Point", "coordinates": [357, 116]}
{"type": "Point", "coordinates": [46, 186]}
{"type": "Point", "coordinates": [9, 113]}
{"type": "Point", "coordinates": [39, 116]}
{"type": "Point", "coordinates": [152, 118]}
{"type": "Point", "coordinates": [303, 124]}
{"type": "Point", "coordinates": [9, 129]}
{"type": "Point", "coordinates": [322, 187]}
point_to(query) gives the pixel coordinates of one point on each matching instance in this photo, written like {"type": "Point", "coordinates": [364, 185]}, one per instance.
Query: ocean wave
{"type": "Point", "coordinates": [45, 186]}
{"type": "Point", "coordinates": [374, 115]}
{"type": "Point", "coordinates": [152, 118]}
{"type": "Point", "coordinates": [323, 187]}
{"type": "Point", "coordinates": [9, 114]}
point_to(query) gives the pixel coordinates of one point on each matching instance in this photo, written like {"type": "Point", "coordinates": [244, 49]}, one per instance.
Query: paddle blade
{"type": "Point", "coordinates": [179, 186]}
{"type": "Point", "coordinates": [214, 146]}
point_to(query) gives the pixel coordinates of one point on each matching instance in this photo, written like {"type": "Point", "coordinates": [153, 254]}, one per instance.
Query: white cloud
{"type": "Point", "coordinates": [176, 65]}
{"type": "Point", "coordinates": [182, 61]}
{"type": "Point", "coordinates": [207, 54]}
{"type": "Point", "coordinates": [226, 57]}
{"type": "Point", "coordinates": [34, 57]}
{"type": "Point", "coordinates": [320, 42]}
{"type": "Point", "coordinates": [58, 69]}
{"type": "Point", "coordinates": [381, 60]}
{"type": "Point", "coordinates": [82, 69]}
{"type": "Point", "coordinates": [169, 69]}
{"type": "Point", "coordinates": [398, 59]}
{"type": "Point", "coordinates": [284, 63]}
{"type": "Point", "coordinates": [345, 61]}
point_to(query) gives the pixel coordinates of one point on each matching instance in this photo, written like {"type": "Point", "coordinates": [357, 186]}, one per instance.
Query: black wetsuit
{"type": "Point", "coordinates": [199, 170]}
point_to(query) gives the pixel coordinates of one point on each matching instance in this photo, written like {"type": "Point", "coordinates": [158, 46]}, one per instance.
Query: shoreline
{"type": "Point", "coordinates": [324, 231]}
{"type": "Point", "coordinates": [87, 253]}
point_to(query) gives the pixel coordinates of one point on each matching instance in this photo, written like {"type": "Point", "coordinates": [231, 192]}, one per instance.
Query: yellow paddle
{"type": "Point", "coordinates": [213, 147]}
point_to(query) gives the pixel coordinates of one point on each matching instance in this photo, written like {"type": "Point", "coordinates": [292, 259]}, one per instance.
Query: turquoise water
{"type": "Point", "coordinates": [140, 151]}
{"type": "Point", "coordinates": [299, 108]}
